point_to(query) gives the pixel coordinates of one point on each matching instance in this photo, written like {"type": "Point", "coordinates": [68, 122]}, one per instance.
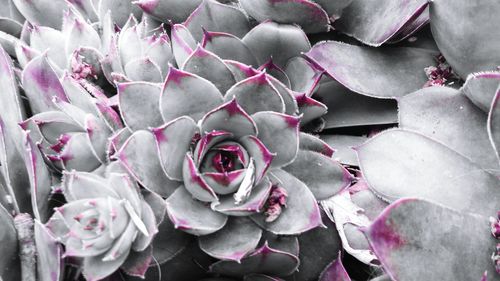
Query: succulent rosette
{"type": "Point", "coordinates": [139, 52]}
{"type": "Point", "coordinates": [107, 222]}
{"type": "Point", "coordinates": [70, 126]}
{"type": "Point", "coordinates": [232, 165]}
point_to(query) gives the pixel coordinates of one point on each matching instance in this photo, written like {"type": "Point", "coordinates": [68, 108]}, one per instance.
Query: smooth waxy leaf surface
{"type": "Point", "coordinates": [410, 246]}
{"type": "Point", "coordinates": [426, 169]}
{"type": "Point", "coordinates": [451, 21]}
{"type": "Point", "coordinates": [386, 72]}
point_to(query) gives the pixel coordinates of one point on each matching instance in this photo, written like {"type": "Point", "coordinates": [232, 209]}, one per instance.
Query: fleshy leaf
{"type": "Point", "coordinates": [279, 41]}
{"type": "Point", "coordinates": [309, 15]}
{"type": "Point", "coordinates": [187, 94]}
{"type": "Point", "coordinates": [49, 261]}
{"type": "Point", "coordinates": [386, 72]}
{"type": "Point", "coordinates": [215, 16]}
{"type": "Point", "coordinates": [41, 84]}
{"type": "Point", "coordinates": [139, 105]}
{"type": "Point", "coordinates": [280, 134]}
{"type": "Point", "coordinates": [168, 10]}
{"type": "Point", "coordinates": [228, 47]}
{"type": "Point", "coordinates": [304, 76]}
{"type": "Point", "coordinates": [448, 116]}
{"type": "Point", "coordinates": [396, 237]}
{"type": "Point", "coordinates": [310, 108]}
{"type": "Point", "coordinates": [168, 242]}
{"type": "Point", "coordinates": [312, 143]}
{"type": "Point", "coordinates": [256, 94]}
{"type": "Point", "coordinates": [376, 22]}
{"type": "Point", "coordinates": [10, 264]}
{"type": "Point", "coordinates": [94, 268]}
{"type": "Point", "coordinates": [301, 212]}
{"type": "Point", "coordinates": [324, 176]}
{"type": "Point", "coordinates": [398, 158]}
{"type": "Point", "coordinates": [265, 259]}
{"type": "Point", "coordinates": [239, 236]}
{"type": "Point", "coordinates": [343, 147]}
{"type": "Point", "coordinates": [494, 124]}
{"type": "Point", "coordinates": [209, 66]}
{"type": "Point", "coordinates": [192, 216]}
{"type": "Point", "coordinates": [42, 12]}
{"type": "Point", "coordinates": [140, 157]}
{"type": "Point", "coordinates": [40, 179]}
{"type": "Point", "coordinates": [137, 263]}
{"type": "Point", "coordinates": [43, 38]}
{"type": "Point", "coordinates": [481, 87]}
{"type": "Point", "coordinates": [254, 203]}
{"type": "Point", "coordinates": [260, 154]}
{"type": "Point", "coordinates": [315, 256]}
{"type": "Point", "coordinates": [335, 271]}
{"type": "Point", "coordinates": [183, 43]}
{"type": "Point", "coordinates": [466, 57]}
{"type": "Point", "coordinates": [195, 183]}
{"type": "Point", "coordinates": [346, 108]}
{"type": "Point", "coordinates": [229, 117]}
{"type": "Point", "coordinates": [14, 113]}
{"type": "Point", "coordinates": [173, 141]}
{"type": "Point", "coordinates": [143, 69]}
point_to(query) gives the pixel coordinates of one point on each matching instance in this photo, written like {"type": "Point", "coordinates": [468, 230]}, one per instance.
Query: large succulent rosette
{"type": "Point", "coordinates": [232, 165]}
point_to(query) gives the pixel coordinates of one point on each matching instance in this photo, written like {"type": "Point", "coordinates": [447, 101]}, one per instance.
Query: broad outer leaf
{"type": "Point", "coordinates": [305, 13]}
{"type": "Point", "coordinates": [335, 271]}
{"type": "Point", "coordinates": [173, 140]}
{"type": "Point", "coordinates": [168, 242]}
{"type": "Point", "coordinates": [399, 163]}
{"type": "Point", "coordinates": [279, 41]}
{"type": "Point", "coordinates": [209, 66]}
{"type": "Point", "coordinates": [239, 236]}
{"type": "Point", "coordinates": [481, 88]}
{"type": "Point", "coordinates": [494, 124]}
{"type": "Point", "coordinates": [448, 116]}
{"type": "Point", "coordinates": [214, 16]}
{"type": "Point", "coordinates": [168, 10]}
{"type": "Point", "coordinates": [301, 212]}
{"type": "Point", "coordinates": [324, 176]}
{"type": "Point", "coordinates": [140, 157]}
{"type": "Point", "coordinates": [280, 134]}
{"type": "Point", "coordinates": [386, 72]}
{"type": "Point", "coordinates": [139, 105]}
{"type": "Point", "coordinates": [346, 108]}
{"type": "Point", "coordinates": [374, 22]}
{"type": "Point", "coordinates": [454, 20]}
{"type": "Point", "coordinates": [9, 263]}
{"type": "Point", "coordinates": [41, 84]}
{"type": "Point", "coordinates": [266, 260]}
{"type": "Point", "coordinates": [418, 240]}
{"type": "Point", "coordinates": [193, 216]}
{"type": "Point", "coordinates": [49, 251]}
{"type": "Point", "coordinates": [318, 247]}
{"type": "Point", "coordinates": [342, 144]}
{"type": "Point", "coordinates": [187, 94]}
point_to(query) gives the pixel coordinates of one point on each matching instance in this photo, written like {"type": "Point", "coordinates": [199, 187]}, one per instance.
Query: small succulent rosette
{"type": "Point", "coordinates": [70, 126]}
{"type": "Point", "coordinates": [139, 52]}
{"type": "Point", "coordinates": [232, 166]}
{"type": "Point", "coordinates": [106, 222]}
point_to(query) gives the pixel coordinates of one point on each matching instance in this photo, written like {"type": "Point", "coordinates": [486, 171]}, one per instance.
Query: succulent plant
{"type": "Point", "coordinates": [173, 139]}
{"type": "Point", "coordinates": [231, 165]}
{"type": "Point", "coordinates": [105, 221]}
